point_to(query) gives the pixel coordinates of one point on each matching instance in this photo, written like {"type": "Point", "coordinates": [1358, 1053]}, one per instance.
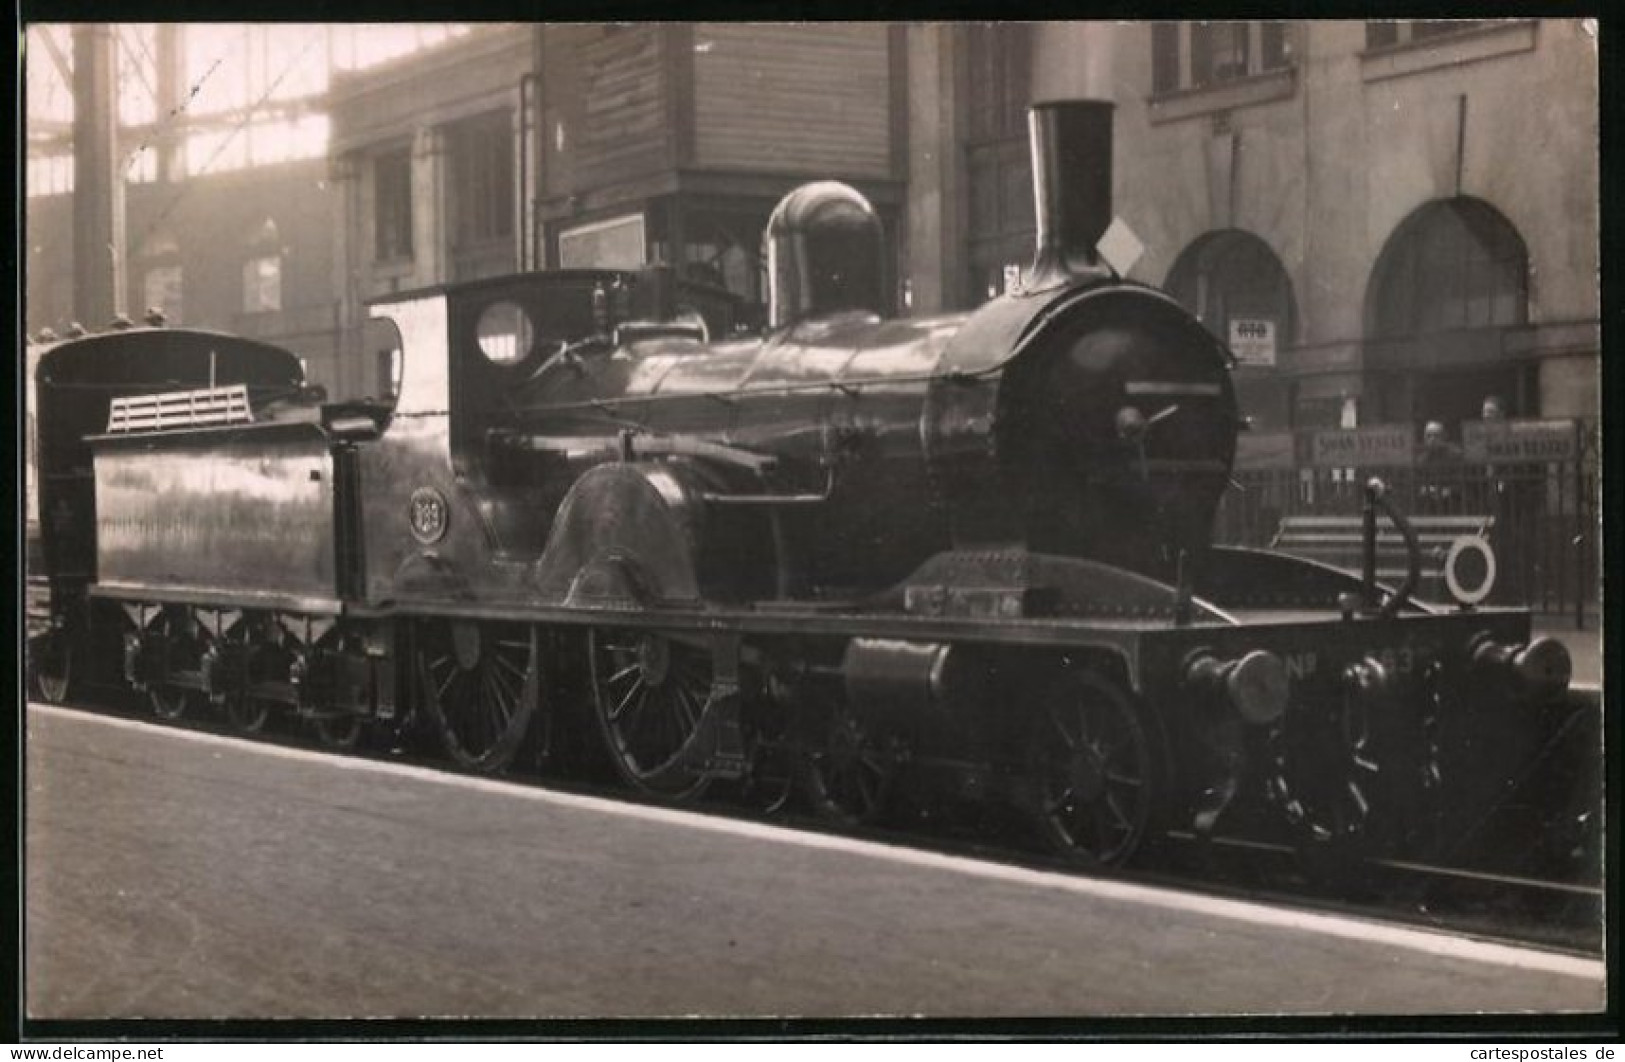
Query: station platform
{"type": "Point", "coordinates": [180, 874]}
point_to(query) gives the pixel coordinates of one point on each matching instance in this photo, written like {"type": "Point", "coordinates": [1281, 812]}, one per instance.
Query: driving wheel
{"type": "Point", "coordinates": [650, 691]}
{"type": "Point", "coordinates": [481, 684]}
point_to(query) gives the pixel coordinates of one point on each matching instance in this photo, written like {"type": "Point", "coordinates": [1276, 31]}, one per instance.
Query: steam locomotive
{"type": "Point", "coordinates": [851, 550]}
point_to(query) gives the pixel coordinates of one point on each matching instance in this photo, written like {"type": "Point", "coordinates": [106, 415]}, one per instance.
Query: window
{"type": "Point", "coordinates": [722, 248]}
{"type": "Point", "coordinates": [262, 272]}
{"type": "Point", "coordinates": [1234, 283]}
{"type": "Point", "coordinates": [482, 163]}
{"type": "Point", "coordinates": [392, 205]}
{"type": "Point", "coordinates": [1187, 55]}
{"type": "Point", "coordinates": [615, 244]}
{"type": "Point", "coordinates": [1392, 34]}
{"type": "Point", "coordinates": [262, 284]}
{"type": "Point", "coordinates": [1164, 57]}
{"type": "Point", "coordinates": [504, 332]}
{"type": "Point", "coordinates": [1218, 52]}
{"type": "Point", "coordinates": [1451, 265]}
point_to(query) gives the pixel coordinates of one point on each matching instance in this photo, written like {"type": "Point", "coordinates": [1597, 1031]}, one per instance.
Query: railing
{"type": "Point", "coordinates": [180, 409]}
{"type": "Point", "coordinates": [1544, 516]}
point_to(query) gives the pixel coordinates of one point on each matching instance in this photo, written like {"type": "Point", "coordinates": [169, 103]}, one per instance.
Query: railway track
{"type": "Point", "coordinates": [1500, 907]}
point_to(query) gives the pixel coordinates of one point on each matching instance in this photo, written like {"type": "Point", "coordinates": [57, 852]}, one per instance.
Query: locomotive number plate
{"type": "Point", "coordinates": [428, 515]}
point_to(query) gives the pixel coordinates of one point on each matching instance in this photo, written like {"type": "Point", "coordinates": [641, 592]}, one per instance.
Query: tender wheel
{"type": "Point", "coordinates": [481, 684]}
{"type": "Point", "coordinates": [1094, 763]}
{"type": "Point", "coordinates": [649, 692]}
{"type": "Point", "coordinates": [50, 668]}
{"type": "Point", "coordinates": [848, 774]}
{"type": "Point", "coordinates": [185, 644]}
{"type": "Point", "coordinates": [246, 712]}
{"type": "Point", "coordinates": [341, 732]}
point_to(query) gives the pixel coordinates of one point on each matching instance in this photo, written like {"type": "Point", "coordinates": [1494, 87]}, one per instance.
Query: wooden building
{"type": "Point", "coordinates": [672, 142]}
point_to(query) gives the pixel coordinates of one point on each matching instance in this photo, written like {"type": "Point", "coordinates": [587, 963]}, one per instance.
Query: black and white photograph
{"type": "Point", "coordinates": [841, 525]}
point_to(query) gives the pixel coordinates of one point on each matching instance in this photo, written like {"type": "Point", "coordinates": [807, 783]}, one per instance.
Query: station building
{"type": "Point", "coordinates": [1388, 221]}
{"type": "Point", "coordinates": [601, 145]}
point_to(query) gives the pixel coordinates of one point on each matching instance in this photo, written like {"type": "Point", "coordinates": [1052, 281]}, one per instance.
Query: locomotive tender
{"type": "Point", "coordinates": [974, 548]}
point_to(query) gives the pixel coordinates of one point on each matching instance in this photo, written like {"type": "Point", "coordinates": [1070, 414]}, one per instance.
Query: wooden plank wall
{"type": "Point", "coordinates": [809, 99]}
{"type": "Point", "coordinates": [606, 85]}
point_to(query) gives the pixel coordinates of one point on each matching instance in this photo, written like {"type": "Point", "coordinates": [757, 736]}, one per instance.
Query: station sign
{"type": "Point", "coordinates": [1252, 340]}
{"type": "Point", "coordinates": [618, 243]}
{"type": "Point", "coordinates": [1520, 440]}
{"type": "Point", "coordinates": [1266, 449]}
{"type": "Point", "coordinates": [1377, 446]}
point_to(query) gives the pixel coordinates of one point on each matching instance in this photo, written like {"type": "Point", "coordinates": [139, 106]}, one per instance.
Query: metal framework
{"type": "Point", "coordinates": [194, 99]}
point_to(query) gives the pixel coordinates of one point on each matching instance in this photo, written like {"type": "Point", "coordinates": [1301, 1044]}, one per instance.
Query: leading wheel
{"type": "Point", "coordinates": [1094, 763]}
{"type": "Point", "coordinates": [650, 691]}
{"type": "Point", "coordinates": [848, 773]}
{"type": "Point", "coordinates": [481, 684]}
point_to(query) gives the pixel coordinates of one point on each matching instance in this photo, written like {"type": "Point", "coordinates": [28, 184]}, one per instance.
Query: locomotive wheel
{"type": "Point", "coordinates": [1093, 760]}
{"type": "Point", "coordinates": [185, 645]}
{"type": "Point", "coordinates": [50, 668]}
{"type": "Point", "coordinates": [342, 732]}
{"type": "Point", "coordinates": [246, 713]}
{"type": "Point", "coordinates": [847, 775]}
{"type": "Point", "coordinates": [772, 779]}
{"type": "Point", "coordinates": [650, 692]}
{"type": "Point", "coordinates": [481, 684]}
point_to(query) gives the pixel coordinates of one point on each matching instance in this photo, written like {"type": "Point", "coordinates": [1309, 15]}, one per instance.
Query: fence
{"type": "Point", "coordinates": [1546, 533]}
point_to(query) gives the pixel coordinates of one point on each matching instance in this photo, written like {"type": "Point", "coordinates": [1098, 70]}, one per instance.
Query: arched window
{"type": "Point", "coordinates": [1452, 264]}
{"type": "Point", "coordinates": [1237, 286]}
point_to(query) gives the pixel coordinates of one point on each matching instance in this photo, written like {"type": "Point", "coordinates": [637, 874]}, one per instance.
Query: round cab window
{"type": "Point", "coordinates": [504, 333]}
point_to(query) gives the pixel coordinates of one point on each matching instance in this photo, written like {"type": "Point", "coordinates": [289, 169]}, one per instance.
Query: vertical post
{"type": "Point", "coordinates": [98, 196]}
{"type": "Point", "coordinates": [1368, 545]}
{"type": "Point", "coordinates": [171, 79]}
{"type": "Point", "coordinates": [1581, 538]}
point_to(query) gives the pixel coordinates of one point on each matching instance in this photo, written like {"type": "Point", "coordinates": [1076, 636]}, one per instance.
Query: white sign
{"type": "Point", "coordinates": [614, 244]}
{"type": "Point", "coordinates": [1252, 340]}
{"type": "Point", "coordinates": [1120, 247]}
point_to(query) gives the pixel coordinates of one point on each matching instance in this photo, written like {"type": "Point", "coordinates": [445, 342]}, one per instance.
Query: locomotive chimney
{"type": "Point", "coordinates": [1072, 187]}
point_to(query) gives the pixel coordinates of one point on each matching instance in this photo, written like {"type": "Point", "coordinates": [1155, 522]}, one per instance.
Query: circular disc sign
{"type": "Point", "coordinates": [1469, 569]}
{"type": "Point", "coordinates": [428, 515]}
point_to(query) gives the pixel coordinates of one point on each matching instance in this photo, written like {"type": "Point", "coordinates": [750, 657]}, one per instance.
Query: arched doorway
{"type": "Point", "coordinates": [1450, 283]}
{"type": "Point", "coordinates": [1235, 284]}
